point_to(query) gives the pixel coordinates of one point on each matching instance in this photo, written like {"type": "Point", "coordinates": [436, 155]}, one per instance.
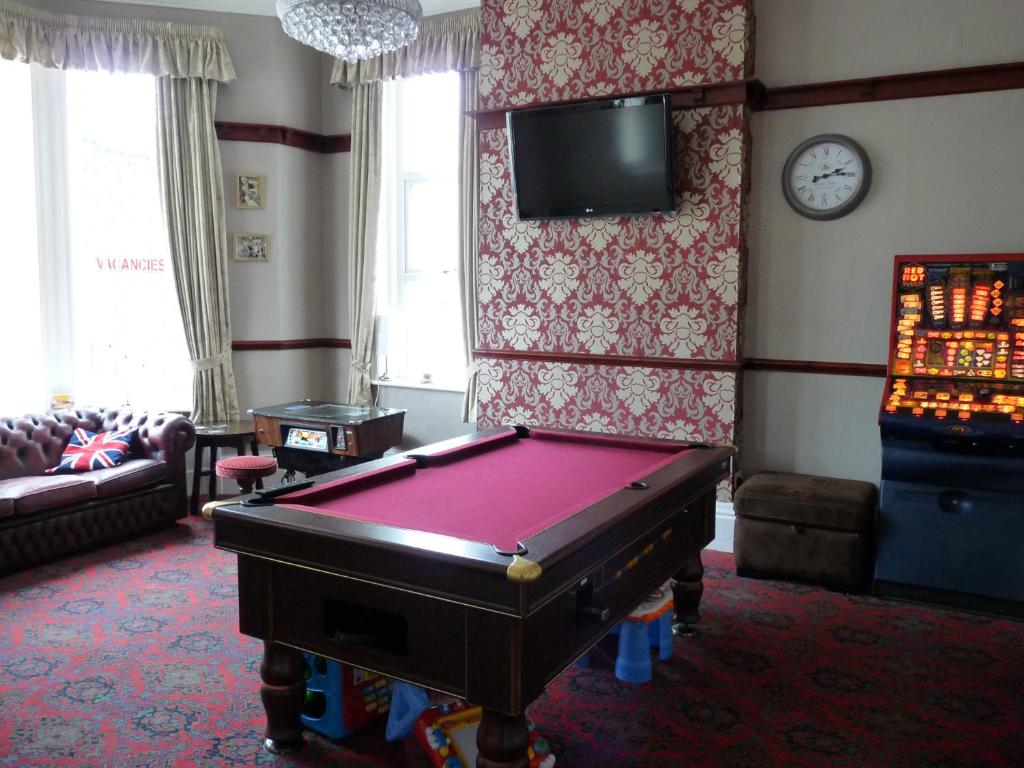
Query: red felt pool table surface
{"type": "Point", "coordinates": [500, 493]}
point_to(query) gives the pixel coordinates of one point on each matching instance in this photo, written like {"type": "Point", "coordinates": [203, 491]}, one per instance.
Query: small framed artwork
{"type": "Point", "coordinates": [249, 191]}
{"type": "Point", "coordinates": [251, 247]}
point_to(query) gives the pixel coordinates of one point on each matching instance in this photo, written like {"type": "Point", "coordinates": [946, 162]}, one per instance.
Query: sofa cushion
{"type": "Point", "coordinates": [88, 450]}
{"type": "Point", "coordinates": [126, 477]}
{"type": "Point", "coordinates": [6, 506]}
{"type": "Point", "coordinates": [31, 494]}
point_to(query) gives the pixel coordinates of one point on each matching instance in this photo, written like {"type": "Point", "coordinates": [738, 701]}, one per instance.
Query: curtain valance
{"type": "Point", "coordinates": [446, 42]}
{"type": "Point", "coordinates": [164, 49]}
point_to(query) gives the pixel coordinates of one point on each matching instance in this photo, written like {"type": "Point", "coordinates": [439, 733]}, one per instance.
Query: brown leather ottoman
{"type": "Point", "coordinates": [805, 527]}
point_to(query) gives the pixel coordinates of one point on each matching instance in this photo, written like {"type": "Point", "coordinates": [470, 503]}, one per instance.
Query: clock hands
{"type": "Point", "coordinates": [836, 172]}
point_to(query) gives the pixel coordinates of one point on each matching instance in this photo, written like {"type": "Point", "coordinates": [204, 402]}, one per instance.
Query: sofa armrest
{"type": "Point", "coordinates": [166, 436]}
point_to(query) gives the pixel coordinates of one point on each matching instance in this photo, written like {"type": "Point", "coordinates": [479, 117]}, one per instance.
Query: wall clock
{"type": "Point", "coordinates": [826, 176]}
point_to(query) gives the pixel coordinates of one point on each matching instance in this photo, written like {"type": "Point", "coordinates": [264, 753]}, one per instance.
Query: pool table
{"type": "Point", "coordinates": [481, 566]}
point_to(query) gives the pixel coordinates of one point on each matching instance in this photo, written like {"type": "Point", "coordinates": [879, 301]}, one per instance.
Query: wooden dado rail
{"type": "Point", "coordinates": [750, 364]}
{"type": "Point", "coordinates": [275, 345]}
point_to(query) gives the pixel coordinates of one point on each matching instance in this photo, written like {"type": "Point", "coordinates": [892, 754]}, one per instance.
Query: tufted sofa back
{"type": "Point", "coordinates": [31, 444]}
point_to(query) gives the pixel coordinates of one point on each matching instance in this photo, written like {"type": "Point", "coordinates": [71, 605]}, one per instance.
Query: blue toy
{"type": "Point", "coordinates": [408, 702]}
{"type": "Point", "coordinates": [341, 699]}
{"type": "Point", "coordinates": [649, 626]}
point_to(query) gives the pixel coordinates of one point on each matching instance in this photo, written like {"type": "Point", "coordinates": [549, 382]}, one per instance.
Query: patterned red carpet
{"type": "Point", "coordinates": [130, 657]}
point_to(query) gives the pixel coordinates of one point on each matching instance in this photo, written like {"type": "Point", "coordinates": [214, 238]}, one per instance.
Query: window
{"type": "Point", "coordinates": [419, 324]}
{"type": "Point", "coordinates": [100, 318]}
{"type": "Point", "coordinates": [21, 350]}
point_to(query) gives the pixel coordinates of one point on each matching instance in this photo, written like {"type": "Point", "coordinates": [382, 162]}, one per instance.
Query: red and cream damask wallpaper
{"type": "Point", "coordinates": [659, 288]}
{"type": "Point", "coordinates": [539, 51]}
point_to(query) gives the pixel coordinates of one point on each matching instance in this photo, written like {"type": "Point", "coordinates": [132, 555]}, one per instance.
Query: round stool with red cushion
{"type": "Point", "coordinates": [246, 470]}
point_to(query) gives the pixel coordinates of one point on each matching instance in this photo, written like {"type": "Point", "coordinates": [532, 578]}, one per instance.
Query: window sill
{"type": "Point", "coordinates": [414, 384]}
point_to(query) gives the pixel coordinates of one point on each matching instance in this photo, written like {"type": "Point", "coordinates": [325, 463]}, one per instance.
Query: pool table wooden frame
{"type": "Point", "coordinates": [466, 627]}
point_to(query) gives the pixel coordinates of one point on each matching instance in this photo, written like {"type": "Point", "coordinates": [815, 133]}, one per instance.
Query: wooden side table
{"type": "Point", "coordinates": [216, 435]}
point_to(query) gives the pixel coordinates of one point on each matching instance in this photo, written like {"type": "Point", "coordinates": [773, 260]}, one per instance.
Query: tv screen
{"type": "Point", "coordinates": [602, 158]}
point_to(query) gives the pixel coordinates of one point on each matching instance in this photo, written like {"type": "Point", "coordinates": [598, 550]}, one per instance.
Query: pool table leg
{"type": "Point", "coordinates": [687, 589]}
{"type": "Point", "coordinates": [502, 741]}
{"type": "Point", "coordinates": [284, 688]}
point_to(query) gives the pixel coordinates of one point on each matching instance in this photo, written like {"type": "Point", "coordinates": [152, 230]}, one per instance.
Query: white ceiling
{"type": "Point", "coordinates": [266, 7]}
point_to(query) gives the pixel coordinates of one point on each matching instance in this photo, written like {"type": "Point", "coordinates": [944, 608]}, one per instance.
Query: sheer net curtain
{"type": "Point", "coordinates": [446, 42]}
{"type": "Point", "coordinates": [21, 342]}
{"type": "Point", "coordinates": [189, 61]}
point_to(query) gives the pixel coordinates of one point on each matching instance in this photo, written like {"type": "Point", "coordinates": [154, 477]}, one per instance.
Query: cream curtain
{"type": "Point", "coordinates": [469, 203]}
{"type": "Point", "coordinates": [364, 206]}
{"type": "Point", "coordinates": [157, 48]}
{"type": "Point", "coordinates": [192, 188]}
{"type": "Point", "coordinates": [446, 42]}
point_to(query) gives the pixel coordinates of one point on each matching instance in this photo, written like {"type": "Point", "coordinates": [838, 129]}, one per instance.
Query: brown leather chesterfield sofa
{"type": "Point", "coordinates": [46, 516]}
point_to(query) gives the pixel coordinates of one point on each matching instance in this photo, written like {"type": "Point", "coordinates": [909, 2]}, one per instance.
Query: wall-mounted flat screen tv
{"type": "Point", "coordinates": [601, 158]}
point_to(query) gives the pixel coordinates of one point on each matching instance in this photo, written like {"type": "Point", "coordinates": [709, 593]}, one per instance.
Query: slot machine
{"type": "Point", "coordinates": [951, 513]}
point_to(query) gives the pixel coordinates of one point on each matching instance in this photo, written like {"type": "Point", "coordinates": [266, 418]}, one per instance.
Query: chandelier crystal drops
{"type": "Point", "coordinates": [351, 29]}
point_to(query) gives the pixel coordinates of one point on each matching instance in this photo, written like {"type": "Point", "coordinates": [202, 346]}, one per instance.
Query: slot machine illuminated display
{"type": "Point", "coordinates": [951, 518]}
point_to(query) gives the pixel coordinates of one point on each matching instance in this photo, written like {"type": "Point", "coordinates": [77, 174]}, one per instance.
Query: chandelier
{"type": "Point", "coordinates": [351, 29]}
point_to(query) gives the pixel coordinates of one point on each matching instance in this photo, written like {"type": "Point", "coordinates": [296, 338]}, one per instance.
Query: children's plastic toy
{"type": "Point", "coordinates": [448, 734]}
{"type": "Point", "coordinates": [648, 626]}
{"type": "Point", "coordinates": [407, 703]}
{"type": "Point", "coordinates": [341, 699]}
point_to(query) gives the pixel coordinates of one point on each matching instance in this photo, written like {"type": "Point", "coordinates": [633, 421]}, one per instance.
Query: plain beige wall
{"type": "Point", "coordinates": [812, 41]}
{"type": "Point", "coordinates": [946, 180]}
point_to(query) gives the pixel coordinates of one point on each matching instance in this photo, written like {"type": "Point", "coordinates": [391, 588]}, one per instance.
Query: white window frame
{"type": "Point", "coordinates": [393, 253]}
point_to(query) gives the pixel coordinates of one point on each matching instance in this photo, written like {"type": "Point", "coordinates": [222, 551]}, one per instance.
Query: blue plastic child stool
{"type": "Point", "coordinates": [659, 635]}
{"type": "Point", "coordinates": [633, 664]}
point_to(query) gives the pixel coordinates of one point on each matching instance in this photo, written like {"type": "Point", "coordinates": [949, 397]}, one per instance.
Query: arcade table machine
{"type": "Point", "coordinates": [481, 567]}
{"type": "Point", "coordinates": [951, 517]}
{"type": "Point", "coordinates": [313, 437]}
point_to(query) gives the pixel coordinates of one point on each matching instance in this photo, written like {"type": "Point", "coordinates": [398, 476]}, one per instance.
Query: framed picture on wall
{"type": "Point", "coordinates": [249, 191]}
{"type": "Point", "coordinates": [251, 247]}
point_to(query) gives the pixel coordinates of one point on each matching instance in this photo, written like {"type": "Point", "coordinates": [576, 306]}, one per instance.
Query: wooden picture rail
{"type": "Point", "coordinates": [914, 85]}
{"type": "Point", "coordinates": [758, 97]}
{"type": "Point", "coordinates": [585, 359]}
{"type": "Point", "coordinates": [280, 134]}
{"type": "Point", "coordinates": [711, 95]}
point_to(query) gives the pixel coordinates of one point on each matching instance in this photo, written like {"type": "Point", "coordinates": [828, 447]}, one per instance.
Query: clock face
{"type": "Point", "coordinates": [826, 176]}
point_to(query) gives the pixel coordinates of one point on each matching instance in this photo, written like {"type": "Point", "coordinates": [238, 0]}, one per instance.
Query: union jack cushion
{"type": "Point", "coordinates": [89, 450]}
